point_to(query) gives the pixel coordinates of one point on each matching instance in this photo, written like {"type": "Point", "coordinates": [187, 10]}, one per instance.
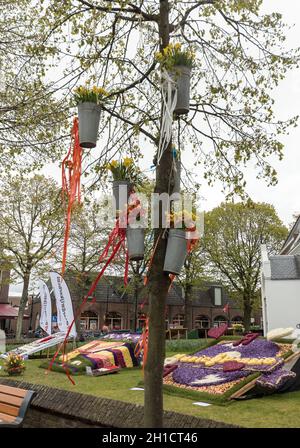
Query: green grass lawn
{"type": "Point", "coordinates": [274, 411]}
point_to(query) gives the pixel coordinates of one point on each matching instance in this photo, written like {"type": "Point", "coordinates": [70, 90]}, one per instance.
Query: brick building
{"type": "Point", "coordinates": [120, 309]}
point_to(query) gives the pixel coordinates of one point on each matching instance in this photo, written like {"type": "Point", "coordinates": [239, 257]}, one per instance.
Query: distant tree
{"type": "Point", "coordinates": [32, 117]}
{"type": "Point", "coordinates": [31, 227]}
{"type": "Point", "coordinates": [233, 237]}
{"type": "Point", "coordinates": [87, 239]}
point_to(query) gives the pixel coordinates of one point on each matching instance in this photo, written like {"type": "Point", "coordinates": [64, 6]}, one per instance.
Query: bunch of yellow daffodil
{"type": "Point", "coordinates": [123, 170]}
{"type": "Point", "coordinates": [93, 95]}
{"type": "Point", "coordinates": [173, 55]}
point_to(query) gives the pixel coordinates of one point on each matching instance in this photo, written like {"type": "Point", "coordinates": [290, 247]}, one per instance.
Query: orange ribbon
{"type": "Point", "coordinates": [116, 242]}
{"type": "Point", "coordinates": [71, 184]}
{"type": "Point", "coordinates": [142, 344]}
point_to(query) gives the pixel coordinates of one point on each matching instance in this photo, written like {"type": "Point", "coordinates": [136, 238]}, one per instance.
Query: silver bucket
{"type": "Point", "coordinates": [176, 251]}
{"type": "Point", "coordinates": [89, 118]}
{"type": "Point", "coordinates": [135, 243]}
{"type": "Point", "coordinates": [121, 193]}
{"type": "Point", "coordinates": [182, 76]}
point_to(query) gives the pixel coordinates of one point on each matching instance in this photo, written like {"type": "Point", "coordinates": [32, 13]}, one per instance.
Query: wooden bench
{"type": "Point", "coordinates": [14, 403]}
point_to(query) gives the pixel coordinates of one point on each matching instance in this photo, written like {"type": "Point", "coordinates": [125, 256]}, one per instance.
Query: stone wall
{"type": "Point", "coordinates": [58, 408]}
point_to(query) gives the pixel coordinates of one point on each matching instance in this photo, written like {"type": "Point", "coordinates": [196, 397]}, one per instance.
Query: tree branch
{"type": "Point", "coordinates": [132, 10]}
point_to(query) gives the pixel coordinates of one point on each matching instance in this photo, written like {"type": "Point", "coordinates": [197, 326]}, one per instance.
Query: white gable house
{"type": "Point", "coordinates": [292, 243]}
{"type": "Point", "coordinates": [281, 284]}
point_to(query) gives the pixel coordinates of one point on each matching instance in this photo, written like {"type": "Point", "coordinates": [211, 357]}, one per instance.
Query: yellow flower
{"type": "Point", "coordinates": [113, 164]}
{"type": "Point", "coordinates": [191, 55]}
{"type": "Point", "coordinates": [101, 91]}
{"type": "Point", "coordinates": [127, 161]}
{"type": "Point", "coordinates": [177, 46]}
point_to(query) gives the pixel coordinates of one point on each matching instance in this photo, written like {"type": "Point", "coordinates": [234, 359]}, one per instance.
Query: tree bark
{"type": "Point", "coordinates": [158, 282]}
{"type": "Point", "coordinates": [188, 307]}
{"type": "Point", "coordinates": [22, 306]}
{"type": "Point", "coordinates": [247, 312]}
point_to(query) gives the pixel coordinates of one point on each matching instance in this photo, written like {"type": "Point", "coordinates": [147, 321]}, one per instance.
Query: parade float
{"type": "Point", "coordinates": [96, 355]}
{"type": "Point", "coordinates": [231, 368]}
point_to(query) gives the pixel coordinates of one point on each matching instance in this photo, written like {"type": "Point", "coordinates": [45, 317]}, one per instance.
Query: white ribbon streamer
{"type": "Point", "coordinates": [169, 97]}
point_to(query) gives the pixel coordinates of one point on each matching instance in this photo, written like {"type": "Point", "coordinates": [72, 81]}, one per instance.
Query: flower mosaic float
{"type": "Point", "coordinates": [98, 354]}
{"type": "Point", "coordinates": [222, 367]}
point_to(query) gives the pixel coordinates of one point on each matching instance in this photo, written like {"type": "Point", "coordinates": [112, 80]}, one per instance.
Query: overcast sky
{"type": "Point", "coordinates": [285, 195]}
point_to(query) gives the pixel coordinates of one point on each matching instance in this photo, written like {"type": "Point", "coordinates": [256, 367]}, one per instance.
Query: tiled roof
{"type": "Point", "coordinates": [111, 288]}
{"type": "Point", "coordinates": [285, 267]}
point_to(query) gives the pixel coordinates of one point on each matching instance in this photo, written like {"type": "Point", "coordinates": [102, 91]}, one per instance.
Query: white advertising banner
{"type": "Point", "coordinates": [64, 305]}
{"type": "Point", "coordinates": [37, 346]}
{"type": "Point", "coordinates": [46, 309]}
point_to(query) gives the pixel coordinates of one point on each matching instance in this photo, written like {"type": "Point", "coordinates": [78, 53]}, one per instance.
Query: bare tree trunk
{"type": "Point", "coordinates": [22, 306]}
{"type": "Point", "coordinates": [247, 311]}
{"type": "Point", "coordinates": [188, 306]}
{"type": "Point", "coordinates": [158, 283]}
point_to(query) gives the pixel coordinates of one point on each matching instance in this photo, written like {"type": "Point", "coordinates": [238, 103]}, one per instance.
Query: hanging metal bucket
{"type": "Point", "coordinates": [89, 118]}
{"type": "Point", "coordinates": [176, 251]}
{"type": "Point", "coordinates": [135, 243]}
{"type": "Point", "coordinates": [121, 193]}
{"type": "Point", "coordinates": [182, 76]}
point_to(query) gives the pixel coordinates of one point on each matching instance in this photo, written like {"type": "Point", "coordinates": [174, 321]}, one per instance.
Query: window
{"type": "Point", "coordinates": [89, 321]}
{"type": "Point", "coordinates": [114, 320]}
{"type": "Point", "coordinates": [178, 320]}
{"type": "Point", "coordinates": [218, 296]}
{"type": "Point", "coordinates": [141, 320]}
{"type": "Point", "coordinates": [237, 319]}
{"type": "Point", "coordinates": [202, 321]}
{"type": "Point", "coordinates": [219, 320]}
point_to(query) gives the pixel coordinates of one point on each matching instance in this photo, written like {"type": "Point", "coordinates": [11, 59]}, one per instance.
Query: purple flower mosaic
{"type": "Point", "coordinates": [275, 379]}
{"type": "Point", "coordinates": [190, 375]}
{"type": "Point", "coordinates": [197, 375]}
{"type": "Point", "coordinates": [134, 337]}
{"type": "Point", "coordinates": [259, 348]}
